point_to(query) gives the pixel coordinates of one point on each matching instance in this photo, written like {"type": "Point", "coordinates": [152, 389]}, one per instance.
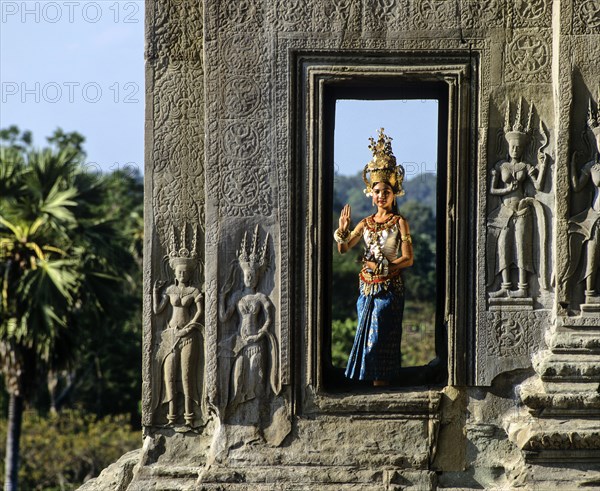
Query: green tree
{"type": "Point", "coordinates": [58, 262]}
{"type": "Point", "coordinates": [80, 443]}
{"type": "Point", "coordinates": [14, 138]}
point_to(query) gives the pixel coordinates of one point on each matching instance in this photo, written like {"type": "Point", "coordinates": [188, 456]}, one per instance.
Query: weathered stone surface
{"type": "Point", "coordinates": [117, 476]}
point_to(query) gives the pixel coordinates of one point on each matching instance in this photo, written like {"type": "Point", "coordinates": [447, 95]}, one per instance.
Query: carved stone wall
{"type": "Point", "coordinates": [232, 138]}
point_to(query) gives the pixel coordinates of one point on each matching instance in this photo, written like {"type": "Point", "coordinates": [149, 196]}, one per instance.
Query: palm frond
{"type": "Point", "coordinates": [57, 202]}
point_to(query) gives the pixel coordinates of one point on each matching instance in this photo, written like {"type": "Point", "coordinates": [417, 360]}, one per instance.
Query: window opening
{"type": "Point", "coordinates": [415, 124]}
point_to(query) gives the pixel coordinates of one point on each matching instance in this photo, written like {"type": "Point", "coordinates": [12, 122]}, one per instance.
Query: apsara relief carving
{"type": "Point", "coordinates": [584, 234]}
{"type": "Point", "coordinates": [178, 353]}
{"type": "Point", "coordinates": [511, 224]}
{"type": "Point", "coordinates": [251, 353]}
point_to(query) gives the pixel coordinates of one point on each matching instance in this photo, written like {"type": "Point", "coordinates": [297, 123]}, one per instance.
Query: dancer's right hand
{"type": "Point", "coordinates": [345, 218]}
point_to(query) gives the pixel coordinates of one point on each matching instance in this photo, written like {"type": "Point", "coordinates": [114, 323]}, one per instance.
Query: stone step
{"type": "Point", "coordinates": [285, 478]}
{"type": "Point", "coordinates": [568, 367]}
{"type": "Point", "coordinates": [552, 439]}
{"type": "Point", "coordinates": [561, 401]}
{"type": "Point", "coordinates": [576, 342]}
{"type": "Point", "coordinates": [315, 475]}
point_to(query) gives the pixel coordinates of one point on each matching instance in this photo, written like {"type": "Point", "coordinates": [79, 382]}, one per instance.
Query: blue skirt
{"type": "Point", "coordinates": [376, 353]}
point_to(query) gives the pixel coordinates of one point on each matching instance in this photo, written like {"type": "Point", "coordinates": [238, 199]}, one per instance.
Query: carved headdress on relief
{"type": "Point", "coordinates": [253, 254]}
{"type": "Point", "coordinates": [517, 131]}
{"type": "Point", "coordinates": [383, 166]}
{"type": "Point", "coordinates": [182, 254]}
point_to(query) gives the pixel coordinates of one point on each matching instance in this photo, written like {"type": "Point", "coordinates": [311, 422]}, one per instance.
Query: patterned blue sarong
{"type": "Point", "coordinates": [376, 353]}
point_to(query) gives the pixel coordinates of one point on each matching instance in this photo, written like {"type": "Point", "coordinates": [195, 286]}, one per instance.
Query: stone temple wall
{"type": "Point", "coordinates": [235, 141]}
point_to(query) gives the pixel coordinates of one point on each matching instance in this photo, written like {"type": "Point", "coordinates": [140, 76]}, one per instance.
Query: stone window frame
{"type": "Point", "coordinates": [313, 73]}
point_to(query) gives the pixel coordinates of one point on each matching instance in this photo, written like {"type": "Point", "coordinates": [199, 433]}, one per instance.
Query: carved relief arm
{"type": "Point", "coordinates": [578, 183]}
{"type": "Point", "coordinates": [158, 304]}
{"type": "Point", "coordinates": [266, 304]}
{"type": "Point", "coordinates": [198, 302]}
{"type": "Point", "coordinates": [226, 309]}
{"type": "Point", "coordinates": [193, 323]}
{"type": "Point", "coordinates": [501, 191]}
{"type": "Point", "coordinates": [538, 182]}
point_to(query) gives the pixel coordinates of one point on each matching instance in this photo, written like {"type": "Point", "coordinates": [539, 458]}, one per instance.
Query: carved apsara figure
{"type": "Point", "coordinates": [376, 355]}
{"type": "Point", "coordinates": [511, 225]}
{"type": "Point", "coordinates": [583, 227]}
{"type": "Point", "coordinates": [254, 347]}
{"type": "Point", "coordinates": [179, 350]}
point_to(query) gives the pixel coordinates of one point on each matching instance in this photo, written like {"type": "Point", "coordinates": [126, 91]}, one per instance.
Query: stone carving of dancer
{"type": "Point", "coordinates": [583, 227]}
{"type": "Point", "coordinates": [254, 347]}
{"type": "Point", "coordinates": [180, 344]}
{"type": "Point", "coordinates": [510, 225]}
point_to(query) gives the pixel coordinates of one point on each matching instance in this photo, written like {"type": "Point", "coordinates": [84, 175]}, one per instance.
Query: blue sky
{"type": "Point", "coordinates": [78, 65]}
{"type": "Point", "coordinates": [411, 123]}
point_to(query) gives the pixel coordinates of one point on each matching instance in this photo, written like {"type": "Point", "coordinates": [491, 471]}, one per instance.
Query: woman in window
{"type": "Point", "coordinates": [375, 355]}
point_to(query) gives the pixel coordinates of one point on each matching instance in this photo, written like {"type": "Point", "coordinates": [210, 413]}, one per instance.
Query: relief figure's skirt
{"type": "Point", "coordinates": [376, 353]}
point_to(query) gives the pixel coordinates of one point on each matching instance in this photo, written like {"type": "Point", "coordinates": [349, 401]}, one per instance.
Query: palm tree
{"type": "Point", "coordinates": [55, 264]}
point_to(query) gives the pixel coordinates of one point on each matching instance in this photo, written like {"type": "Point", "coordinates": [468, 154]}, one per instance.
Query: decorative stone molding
{"type": "Point", "coordinates": [528, 55]}
{"type": "Point", "coordinates": [586, 17]}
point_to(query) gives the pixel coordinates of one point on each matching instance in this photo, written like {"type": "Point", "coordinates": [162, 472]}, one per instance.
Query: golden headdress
{"type": "Point", "coordinates": [383, 166]}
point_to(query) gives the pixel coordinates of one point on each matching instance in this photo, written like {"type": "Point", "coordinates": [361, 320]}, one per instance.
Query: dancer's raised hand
{"type": "Point", "coordinates": [345, 218]}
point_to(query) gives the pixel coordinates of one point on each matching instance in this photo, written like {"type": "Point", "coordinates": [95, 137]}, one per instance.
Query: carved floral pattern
{"type": "Point", "coordinates": [289, 15]}
{"type": "Point", "coordinates": [337, 16]}
{"type": "Point", "coordinates": [587, 16]}
{"type": "Point", "coordinates": [475, 13]}
{"type": "Point", "coordinates": [241, 96]}
{"type": "Point", "coordinates": [337, 8]}
{"type": "Point", "coordinates": [531, 13]}
{"type": "Point", "coordinates": [245, 190]}
{"type": "Point", "coordinates": [512, 334]}
{"type": "Point", "coordinates": [509, 338]}
{"type": "Point", "coordinates": [241, 140]}
{"type": "Point", "coordinates": [239, 12]}
{"type": "Point", "coordinates": [432, 14]}
{"type": "Point", "coordinates": [242, 52]}
{"type": "Point", "coordinates": [381, 15]}
{"type": "Point", "coordinates": [177, 31]}
{"type": "Point", "coordinates": [528, 56]}
{"type": "Point", "coordinates": [568, 440]}
{"type": "Point", "coordinates": [178, 176]}
{"type": "Point", "coordinates": [179, 92]}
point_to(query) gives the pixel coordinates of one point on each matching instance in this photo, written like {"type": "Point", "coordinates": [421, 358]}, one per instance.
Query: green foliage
{"type": "Point", "coordinates": [40, 259]}
{"type": "Point", "coordinates": [421, 189]}
{"type": "Point", "coordinates": [418, 334]}
{"type": "Point", "coordinates": [342, 337]}
{"type": "Point", "coordinates": [70, 266]}
{"type": "Point", "coordinates": [59, 452]}
{"type": "Point", "coordinates": [64, 140]}
{"type": "Point", "coordinates": [13, 137]}
{"type": "Point", "coordinates": [345, 281]}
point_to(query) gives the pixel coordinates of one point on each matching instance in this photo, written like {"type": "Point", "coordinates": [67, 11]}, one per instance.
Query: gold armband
{"type": "Point", "coordinates": [353, 234]}
{"type": "Point", "coordinates": [341, 237]}
{"type": "Point", "coordinates": [406, 238]}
